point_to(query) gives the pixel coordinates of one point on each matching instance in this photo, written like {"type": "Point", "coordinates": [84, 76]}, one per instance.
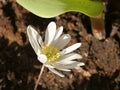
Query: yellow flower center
{"type": "Point", "coordinates": [52, 53]}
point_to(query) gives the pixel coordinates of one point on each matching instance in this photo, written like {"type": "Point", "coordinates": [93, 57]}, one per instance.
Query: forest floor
{"type": "Point", "coordinates": [19, 67]}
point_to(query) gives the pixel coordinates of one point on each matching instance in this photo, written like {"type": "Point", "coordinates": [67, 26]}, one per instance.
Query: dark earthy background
{"type": "Point", "coordinates": [19, 67]}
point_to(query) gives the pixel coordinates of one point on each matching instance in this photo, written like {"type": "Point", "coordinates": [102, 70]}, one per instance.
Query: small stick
{"type": "Point", "coordinates": [39, 77]}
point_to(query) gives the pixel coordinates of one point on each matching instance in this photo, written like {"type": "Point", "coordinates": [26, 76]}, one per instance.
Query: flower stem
{"type": "Point", "coordinates": [39, 77]}
{"type": "Point", "coordinates": [98, 27]}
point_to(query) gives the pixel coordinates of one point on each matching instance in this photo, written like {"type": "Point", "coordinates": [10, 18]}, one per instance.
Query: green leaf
{"type": "Point", "coordinates": [52, 8]}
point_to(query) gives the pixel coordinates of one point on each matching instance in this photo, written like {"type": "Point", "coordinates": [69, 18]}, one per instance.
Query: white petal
{"type": "Point", "coordinates": [56, 72]}
{"type": "Point", "coordinates": [58, 33]}
{"type": "Point", "coordinates": [60, 67]}
{"type": "Point", "coordinates": [76, 64]}
{"type": "Point", "coordinates": [71, 66]}
{"type": "Point", "coordinates": [68, 57]}
{"type": "Point", "coordinates": [62, 41]}
{"type": "Point", "coordinates": [40, 41]}
{"type": "Point", "coordinates": [71, 48]}
{"type": "Point", "coordinates": [81, 64]}
{"type": "Point", "coordinates": [49, 66]}
{"type": "Point", "coordinates": [66, 62]}
{"type": "Point", "coordinates": [63, 69]}
{"type": "Point", "coordinates": [50, 33]}
{"type": "Point", "coordinates": [42, 58]}
{"type": "Point", "coordinates": [33, 38]}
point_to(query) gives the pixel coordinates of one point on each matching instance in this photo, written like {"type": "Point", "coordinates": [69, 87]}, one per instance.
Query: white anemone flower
{"type": "Point", "coordinates": [51, 52]}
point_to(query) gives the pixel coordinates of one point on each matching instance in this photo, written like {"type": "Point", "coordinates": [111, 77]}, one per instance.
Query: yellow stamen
{"type": "Point", "coordinates": [52, 53]}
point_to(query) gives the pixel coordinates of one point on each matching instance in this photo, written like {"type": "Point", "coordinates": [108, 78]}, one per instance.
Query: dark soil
{"type": "Point", "coordinates": [19, 67]}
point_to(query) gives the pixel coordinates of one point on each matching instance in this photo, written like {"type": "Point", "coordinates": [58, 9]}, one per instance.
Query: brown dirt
{"type": "Point", "coordinates": [19, 67]}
